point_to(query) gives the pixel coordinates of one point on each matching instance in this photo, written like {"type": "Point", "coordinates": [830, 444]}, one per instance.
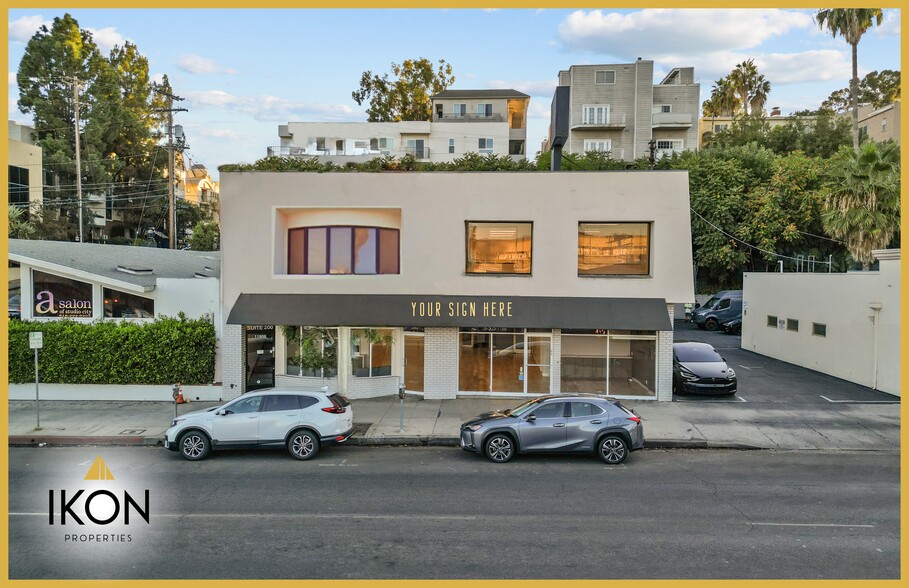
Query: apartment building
{"type": "Point", "coordinates": [618, 109]}
{"type": "Point", "coordinates": [454, 284]}
{"type": "Point", "coordinates": [463, 121]}
{"type": "Point", "coordinates": [25, 167]}
{"type": "Point", "coordinates": [879, 124]}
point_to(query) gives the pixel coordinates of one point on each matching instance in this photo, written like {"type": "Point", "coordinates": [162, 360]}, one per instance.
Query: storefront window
{"type": "Point", "coordinates": [310, 351]}
{"type": "Point", "coordinates": [499, 248]}
{"type": "Point", "coordinates": [371, 352]}
{"type": "Point", "coordinates": [617, 365]}
{"type": "Point", "coordinates": [343, 250]}
{"type": "Point", "coordinates": [609, 249]}
{"type": "Point", "coordinates": [59, 297]}
{"type": "Point", "coordinates": [504, 361]}
{"type": "Point", "coordinates": [122, 305]}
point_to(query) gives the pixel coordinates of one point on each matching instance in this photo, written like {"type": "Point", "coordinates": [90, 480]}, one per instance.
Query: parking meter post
{"type": "Point", "coordinates": [176, 390]}
{"type": "Point", "coordinates": [37, 398]}
{"type": "Point", "coordinates": [401, 396]}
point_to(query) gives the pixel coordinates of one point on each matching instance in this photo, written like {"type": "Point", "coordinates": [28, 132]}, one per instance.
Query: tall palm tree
{"type": "Point", "coordinates": [862, 207]}
{"type": "Point", "coordinates": [759, 92]}
{"type": "Point", "coordinates": [851, 24]}
{"type": "Point", "coordinates": [743, 79]}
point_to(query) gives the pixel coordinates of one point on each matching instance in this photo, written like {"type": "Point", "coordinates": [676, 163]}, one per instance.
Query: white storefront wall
{"type": "Point", "coordinates": [430, 211]}
{"type": "Point", "coordinates": [859, 311]}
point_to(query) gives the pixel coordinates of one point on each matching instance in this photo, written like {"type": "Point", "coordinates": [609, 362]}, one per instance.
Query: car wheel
{"type": "Point", "coordinates": [194, 445]}
{"type": "Point", "coordinates": [711, 325]}
{"type": "Point", "coordinates": [500, 448]}
{"type": "Point", "coordinates": [612, 449]}
{"type": "Point", "coordinates": [303, 444]}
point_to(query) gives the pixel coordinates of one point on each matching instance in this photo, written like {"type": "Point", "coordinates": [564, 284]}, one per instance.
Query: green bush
{"type": "Point", "coordinates": [165, 351]}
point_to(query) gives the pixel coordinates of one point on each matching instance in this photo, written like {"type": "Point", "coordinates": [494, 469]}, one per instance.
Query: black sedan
{"type": "Point", "coordinates": [697, 368]}
{"type": "Point", "coordinates": [732, 326]}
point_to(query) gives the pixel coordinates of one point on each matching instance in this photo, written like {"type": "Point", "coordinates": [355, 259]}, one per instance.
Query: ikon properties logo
{"type": "Point", "coordinates": [107, 514]}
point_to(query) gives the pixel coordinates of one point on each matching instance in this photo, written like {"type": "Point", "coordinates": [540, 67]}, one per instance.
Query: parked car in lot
{"type": "Point", "coordinates": [299, 421]}
{"type": "Point", "coordinates": [721, 307]}
{"type": "Point", "coordinates": [577, 423]}
{"type": "Point", "coordinates": [733, 326]}
{"type": "Point", "coordinates": [698, 368]}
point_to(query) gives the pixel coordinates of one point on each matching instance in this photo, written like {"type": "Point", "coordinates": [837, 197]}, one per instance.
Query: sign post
{"type": "Point", "coordinates": [36, 342]}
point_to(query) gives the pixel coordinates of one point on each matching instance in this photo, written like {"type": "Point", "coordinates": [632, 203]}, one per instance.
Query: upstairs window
{"type": "Point", "coordinates": [602, 145]}
{"type": "Point", "coordinates": [459, 110]}
{"type": "Point", "coordinates": [451, 145]}
{"type": "Point", "coordinates": [604, 77]}
{"type": "Point", "coordinates": [610, 249]}
{"type": "Point", "coordinates": [343, 250]}
{"type": "Point", "coordinates": [484, 110]}
{"type": "Point", "coordinates": [499, 247]}
{"type": "Point", "coordinates": [596, 114]}
{"type": "Point", "coordinates": [484, 144]}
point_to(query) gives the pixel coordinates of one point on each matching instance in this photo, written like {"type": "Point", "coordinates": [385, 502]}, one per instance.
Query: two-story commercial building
{"type": "Point", "coordinates": [616, 108]}
{"type": "Point", "coordinates": [455, 284]}
{"type": "Point", "coordinates": [463, 121]}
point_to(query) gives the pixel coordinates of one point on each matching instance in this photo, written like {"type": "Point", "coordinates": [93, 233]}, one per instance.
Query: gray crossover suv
{"type": "Point", "coordinates": [577, 423]}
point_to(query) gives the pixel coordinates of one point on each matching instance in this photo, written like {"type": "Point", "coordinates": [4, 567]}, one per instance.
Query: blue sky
{"type": "Point", "coordinates": [244, 72]}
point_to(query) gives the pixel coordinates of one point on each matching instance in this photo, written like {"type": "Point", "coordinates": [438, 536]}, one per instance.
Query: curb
{"type": "Point", "coordinates": [70, 441]}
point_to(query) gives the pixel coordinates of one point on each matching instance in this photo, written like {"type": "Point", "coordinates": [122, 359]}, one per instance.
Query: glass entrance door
{"type": "Point", "coordinates": [539, 360]}
{"type": "Point", "coordinates": [413, 361]}
{"type": "Point", "coordinates": [260, 357]}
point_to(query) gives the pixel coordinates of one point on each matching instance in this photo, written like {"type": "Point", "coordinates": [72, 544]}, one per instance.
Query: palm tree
{"type": "Point", "coordinates": [851, 23]}
{"type": "Point", "coordinates": [759, 92]}
{"type": "Point", "coordinates": [743, 79]}
{"type": "Point", "coordinates": [862, 208]}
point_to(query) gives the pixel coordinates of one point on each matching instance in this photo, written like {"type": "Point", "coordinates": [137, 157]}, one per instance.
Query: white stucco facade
{"type": "Point", "coordinates": [848, 325]}
{"type": "Point", "coordinates": [260, 210]}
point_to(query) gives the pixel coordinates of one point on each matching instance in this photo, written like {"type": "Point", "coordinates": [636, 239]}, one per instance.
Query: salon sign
{"type": "Point", "coordinates": [46, 305]}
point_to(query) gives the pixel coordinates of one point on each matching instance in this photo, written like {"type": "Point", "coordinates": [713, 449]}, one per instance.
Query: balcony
{"type": "Point", "coordinates": [417, 152]}
{"type": "Point", "coordinates": [672, 120]}
{"type": "Point", "coordinates": [613, 123]}
{"type": "Point", "coordinates": [468, 117]}
{"type": "Point", "coordinates": [313, 151]}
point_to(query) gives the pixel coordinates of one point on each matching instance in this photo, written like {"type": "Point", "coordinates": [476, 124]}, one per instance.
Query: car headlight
{"type": "Point", "coordinates": [475, 427]}
{"type": "Point", "coordinates": [687, 374]}
{"type": "Point", "coordinates": [730, 373]}
{"type": "Point", "coordinates": [175, 422]}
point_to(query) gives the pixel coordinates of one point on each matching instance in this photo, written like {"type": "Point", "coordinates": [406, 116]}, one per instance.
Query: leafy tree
{"type": "Point", "coordinates": [821, 135]}
{"type": "Point", "coordinates": [862, 207]}
{"type": "Point", "coordinates": [206, 237]}
{"type": "Point", "coordinates": [723, 100]}
{"type": "Point", "coordinates": [406, 97]}
{"type": "Point", "coordinates": [851, 24]}
{"type": "Point", "coordinates": [20, 227]}
{"type": "Point", "coordinates": [876, 89]}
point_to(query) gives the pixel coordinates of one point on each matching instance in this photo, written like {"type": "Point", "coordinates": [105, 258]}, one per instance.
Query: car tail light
{"type": "Point", "coordinates": [335, 409]}
{"type": "Point", "coordinates": [633, 418]}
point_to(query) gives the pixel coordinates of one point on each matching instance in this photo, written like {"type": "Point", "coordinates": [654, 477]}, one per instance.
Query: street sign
{"type": "Point", "coordinates": [36, 340]}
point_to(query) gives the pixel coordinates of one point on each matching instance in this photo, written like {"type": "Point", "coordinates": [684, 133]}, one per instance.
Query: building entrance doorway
{"type": "Point", "coordinates": [413, 361]}
{"type": "Point", "coordinates": [260, 357]}
{"type": "Point", "coordinates": [510, 362]}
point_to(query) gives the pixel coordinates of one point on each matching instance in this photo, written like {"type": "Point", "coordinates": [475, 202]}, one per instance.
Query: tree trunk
{"type": "Point", "coordinates": [853, 97]}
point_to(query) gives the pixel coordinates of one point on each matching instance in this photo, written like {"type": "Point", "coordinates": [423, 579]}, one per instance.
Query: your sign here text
{"type": "Point", "coordinates": [431, 308]}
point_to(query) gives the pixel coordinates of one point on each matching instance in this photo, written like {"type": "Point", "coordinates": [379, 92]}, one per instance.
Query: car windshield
{"type": "Point", "coordinates": [697, 353]}
{"type": "Point", "coordinates": [524, 408]}
{"type": "Point", "coordinates": [710, 303]}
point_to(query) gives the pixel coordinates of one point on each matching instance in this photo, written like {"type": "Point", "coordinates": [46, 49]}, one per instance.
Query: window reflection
{"type": "Point", "coordinates": [343, 250]}
{"type": "Point", "coordinates": [122, 305]}
{"type": "Point", "coordinates": [499, 248]}
{"type": "Point", "coordinates": [613, 249]}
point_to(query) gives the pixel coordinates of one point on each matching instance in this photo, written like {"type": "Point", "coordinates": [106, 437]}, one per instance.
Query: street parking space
{"type": "Point", "coordinates": [768, 380]}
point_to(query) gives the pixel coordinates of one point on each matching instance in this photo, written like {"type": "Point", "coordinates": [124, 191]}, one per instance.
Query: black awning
{"type": "Point", "coordinates": [365, 310]}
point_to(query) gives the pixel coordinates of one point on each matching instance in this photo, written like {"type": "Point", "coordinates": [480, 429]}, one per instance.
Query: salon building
{"type": "Point", "coordinates": [454, 284]}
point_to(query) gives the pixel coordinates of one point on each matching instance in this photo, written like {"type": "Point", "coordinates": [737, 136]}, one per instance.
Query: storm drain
{"type": "Point", "coordinates": [359, 429]}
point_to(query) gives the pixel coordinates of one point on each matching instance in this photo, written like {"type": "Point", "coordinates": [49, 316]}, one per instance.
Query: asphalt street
{"type": "Point", "coordinates": [439, 512]}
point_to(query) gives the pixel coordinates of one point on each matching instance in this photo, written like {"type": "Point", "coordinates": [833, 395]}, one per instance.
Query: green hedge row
{"type": "Point", "coordinates": [165, 351]}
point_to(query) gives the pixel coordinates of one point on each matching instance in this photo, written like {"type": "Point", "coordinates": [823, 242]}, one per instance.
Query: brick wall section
{"type": "Point", "coordinates": [372, 387]}
{"type": "Point", "coordinates": [555, 370]}
{"type": "Point", "coordinates": [233, 350]}
{"type": "Point", "coordinates": [440, 363]}
{"type": "Point", "coordinates": [664, 360]}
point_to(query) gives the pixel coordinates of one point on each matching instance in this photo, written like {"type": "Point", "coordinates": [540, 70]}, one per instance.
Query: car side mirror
{"type": "Point", "coordinates": [222, 412]}
{"type": "Point", "coordinates": [531, 418]}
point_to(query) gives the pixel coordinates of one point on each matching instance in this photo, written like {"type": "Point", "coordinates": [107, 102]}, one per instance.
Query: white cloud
{"type": "Point", "coordinates": [106, 38]}
{"type": "Point", "coordinates": [270, 108]}
{"type": "Point", "coordinates": [12, 80]}
{"type": "Point", "coordinates": [891, 25]}
{"type": "Point", "coordinates": [196, 64]}
{"type": "Point", "coordinates": [539, 110]}
{"type": "Point", "coordinates": [22, 29]}
{"type": "Point", "coordinates": [218, 133]}
{"type": "Point", "coordinates": [545, 89]}
{"type": "Point", "coordinates": [808, 66]}
{"type": "Point", "coordinates": [157, 78]}
{"type": "Point", "coordinates": [689, 31]}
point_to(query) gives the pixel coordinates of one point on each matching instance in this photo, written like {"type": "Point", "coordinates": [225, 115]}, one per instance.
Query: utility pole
{"type": "Point", "coordinates": [171, 205]}
{"type": "Point", "coordinates": [78, 157]}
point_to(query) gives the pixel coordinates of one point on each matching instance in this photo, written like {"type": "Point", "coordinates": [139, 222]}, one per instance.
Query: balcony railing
{"type": "Point", "coordinates": [672, 119]}
{"type": "Point", "coordinates": [303, 152]}
{"type": "Point", "coordinates": [469, 117]}
{"type": "Point", "coordinates": [614, 122]}
{"type": "Point", "coordinates": [417, 153]}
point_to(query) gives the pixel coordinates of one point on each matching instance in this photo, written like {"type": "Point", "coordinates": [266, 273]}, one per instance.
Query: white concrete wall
{"type": "Point", "coordinates": [842, 302]}
{"type": "Point", "coordinates": [112, 392]}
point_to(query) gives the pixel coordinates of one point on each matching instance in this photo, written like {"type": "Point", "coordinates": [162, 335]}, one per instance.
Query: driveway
{"type": "Point", "coordinates": [766, 380]}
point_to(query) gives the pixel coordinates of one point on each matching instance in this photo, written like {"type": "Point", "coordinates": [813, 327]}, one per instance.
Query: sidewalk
{"type": "Point", "coordinates": [706, 423]}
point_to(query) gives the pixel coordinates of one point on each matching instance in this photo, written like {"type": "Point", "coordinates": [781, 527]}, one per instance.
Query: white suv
{"type": "Point", "coordinates": [300, 421]}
